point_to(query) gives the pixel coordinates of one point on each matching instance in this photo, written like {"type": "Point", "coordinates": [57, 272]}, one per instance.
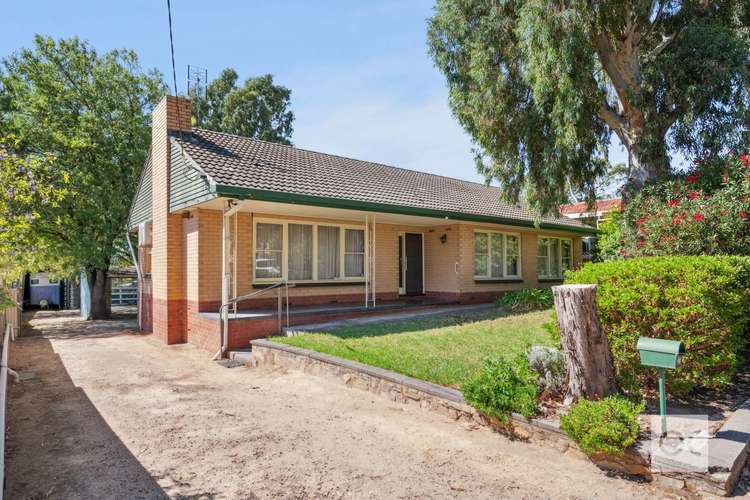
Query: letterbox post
{"type": "Point", "coordinates": [661, 354]}
{"type": "Point", "coordinates": [663, 401]}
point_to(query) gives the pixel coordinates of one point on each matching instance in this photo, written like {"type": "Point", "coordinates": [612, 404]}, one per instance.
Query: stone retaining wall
{"type": "Point", "coordinates": [450, 402]}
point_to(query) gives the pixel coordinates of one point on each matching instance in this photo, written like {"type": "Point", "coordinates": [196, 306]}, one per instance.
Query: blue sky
{"type": "Point", "coordinates": [362, 82]}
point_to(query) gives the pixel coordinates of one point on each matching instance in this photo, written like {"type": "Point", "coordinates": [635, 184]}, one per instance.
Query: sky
{"type": "Point", "coordinates": [362, 82]}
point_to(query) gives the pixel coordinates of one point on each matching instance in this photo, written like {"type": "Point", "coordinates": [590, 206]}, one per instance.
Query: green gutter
{"type": "Point", "coordinates": [318, 201]}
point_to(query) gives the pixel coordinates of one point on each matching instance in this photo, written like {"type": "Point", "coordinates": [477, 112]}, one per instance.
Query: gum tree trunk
{"type": "Point", "coordinates": [591, 372]}
{"type": "Point", "coordinates": [100, 293]}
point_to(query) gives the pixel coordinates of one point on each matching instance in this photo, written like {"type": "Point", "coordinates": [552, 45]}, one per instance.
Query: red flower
{"type": "Point", "coordinates": [674, 202]}
{"type": "Point", "coordinates": [693, 194]}
{"type": "Point", "coordinates": [691, 179]}
{"type": "Point", "coordinates": [745, 160]}
{"type": "Point", "coordinates": [743, 214]}
{"type": "Point", "coordinates": [698, 217]}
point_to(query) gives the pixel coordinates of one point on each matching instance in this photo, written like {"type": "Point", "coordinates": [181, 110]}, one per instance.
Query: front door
{"type": "Point", "coordinates": [412, 264]}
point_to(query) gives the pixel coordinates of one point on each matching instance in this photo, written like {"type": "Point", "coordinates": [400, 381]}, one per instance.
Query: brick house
{"type": "Point", "coordinates": [221, 217]}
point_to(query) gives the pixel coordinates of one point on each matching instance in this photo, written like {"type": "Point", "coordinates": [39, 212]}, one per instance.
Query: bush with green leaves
{"type": "Point", "coordinates": [702, 301]}
{"type": "Point", "coordinates": [529, 299]}
{"type": "Point", "coordinates": [606, 426]}
{"type": "Point", "coordinates": [503, 386]}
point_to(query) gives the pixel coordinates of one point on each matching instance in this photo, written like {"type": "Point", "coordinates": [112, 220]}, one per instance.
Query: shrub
{"type": "Point", "coordinates": [549, 364]}
{"type": "Point", "coordinates": [529, 299]}
{"type": "Point", "coordinates": [701, 301]}
{"type": "Point", "coordinates": [609, 240]}
{"type": "Point", "coordinates": [704, 211]}
{"type": "Point", "coordinates": [606, 426]}
{"type": "Point", "coordinates": [503, 386]}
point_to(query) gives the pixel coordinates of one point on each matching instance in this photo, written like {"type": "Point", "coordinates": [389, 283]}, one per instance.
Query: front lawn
{"type": "Point", "coordinates": [446, 350]}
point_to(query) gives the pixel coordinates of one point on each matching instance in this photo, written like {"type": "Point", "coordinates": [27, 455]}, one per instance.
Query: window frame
{"type": "Point", "coordinates": [505, 276]}
{"type": "Point", "coordinates": [558, 257]}
{"type": "Point", "coordinates": [285, 250]}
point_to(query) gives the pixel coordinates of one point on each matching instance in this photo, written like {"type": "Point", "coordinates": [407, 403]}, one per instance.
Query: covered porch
{"type": "Point", "coordinates": [282, 264]}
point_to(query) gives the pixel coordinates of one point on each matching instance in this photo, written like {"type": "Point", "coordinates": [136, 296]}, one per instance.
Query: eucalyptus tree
{"type": "Point", "coordinates": [541, 85]}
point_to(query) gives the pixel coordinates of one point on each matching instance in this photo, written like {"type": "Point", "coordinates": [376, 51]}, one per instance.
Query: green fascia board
{"type": "Point", "coordinates": [318, 201]}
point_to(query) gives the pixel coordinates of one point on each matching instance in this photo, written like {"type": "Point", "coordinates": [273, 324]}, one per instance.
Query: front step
{"type": "Point", "coordinates": [241, 355]}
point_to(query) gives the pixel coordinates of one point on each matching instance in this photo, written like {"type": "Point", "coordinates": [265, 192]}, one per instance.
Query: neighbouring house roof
{"type": "Point", "coordinates": [606, 205]}
{"type": "Point", "coordinates": [235, 166]}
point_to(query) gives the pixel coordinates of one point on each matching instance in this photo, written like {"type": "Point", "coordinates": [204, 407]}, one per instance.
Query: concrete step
{"type": "Point", "coordinates": [244, 355]}
{"type": "Point", "coordinates": [292, 331]}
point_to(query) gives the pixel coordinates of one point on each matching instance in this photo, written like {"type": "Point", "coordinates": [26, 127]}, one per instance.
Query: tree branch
{"type": "Point", "coordinates": [613, 121]}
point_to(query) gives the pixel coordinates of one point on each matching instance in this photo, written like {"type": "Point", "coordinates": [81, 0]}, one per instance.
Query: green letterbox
{"type": "Point", "coordinates": [660, 353]}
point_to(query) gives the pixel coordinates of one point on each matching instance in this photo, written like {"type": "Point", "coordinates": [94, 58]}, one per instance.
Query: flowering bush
{"type": "Point", "coordinates": [704, 211]}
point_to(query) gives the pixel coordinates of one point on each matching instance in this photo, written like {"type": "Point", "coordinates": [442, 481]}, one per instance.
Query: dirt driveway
{"type": "Point", "coordinates": [113, 414]}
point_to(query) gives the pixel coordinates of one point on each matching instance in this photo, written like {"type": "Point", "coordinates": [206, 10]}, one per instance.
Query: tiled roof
{"type": "Point", "coordinates": [601, 206]}
{"type": "Point", "coordinates": [241, 162]}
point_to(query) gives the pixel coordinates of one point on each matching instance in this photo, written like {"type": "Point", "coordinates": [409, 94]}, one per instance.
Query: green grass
{"type": "Point", "coordinates": [446, 350]}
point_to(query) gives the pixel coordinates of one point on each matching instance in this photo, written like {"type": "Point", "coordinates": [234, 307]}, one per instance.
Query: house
{"type": "Point", "coordinates": [220, 217]}
{"type": "Point", "coordinates": [592, 216]}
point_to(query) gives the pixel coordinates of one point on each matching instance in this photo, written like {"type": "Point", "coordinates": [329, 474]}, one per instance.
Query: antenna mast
{"type": "Point", "coordinates": [197, 81]}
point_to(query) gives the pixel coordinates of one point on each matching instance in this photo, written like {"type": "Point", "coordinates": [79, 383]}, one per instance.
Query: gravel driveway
{"type": "Point", "coordinates": [113, 414]}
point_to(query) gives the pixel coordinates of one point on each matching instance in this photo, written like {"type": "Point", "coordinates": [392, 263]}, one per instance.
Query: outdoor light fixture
{"type": "Point", "coordinates": [661, 354]}
{"type": "Point", "coordinates": [443, 238]}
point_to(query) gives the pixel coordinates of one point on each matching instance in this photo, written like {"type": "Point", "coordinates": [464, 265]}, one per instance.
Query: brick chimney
{"type": "Point", "coordinates": [167, 267]}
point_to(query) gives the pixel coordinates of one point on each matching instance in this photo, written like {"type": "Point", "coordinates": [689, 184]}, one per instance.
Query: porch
{"type": "Point", "coordinates": [272, 265]}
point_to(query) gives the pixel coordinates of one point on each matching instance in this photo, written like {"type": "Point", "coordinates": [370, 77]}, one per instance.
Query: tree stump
{"type": "Point", "coordinates": [591, 372]}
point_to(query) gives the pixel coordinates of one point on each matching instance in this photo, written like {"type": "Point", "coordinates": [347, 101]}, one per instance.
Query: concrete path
{"type": "Point", "coordinates": [113, 414]}
{"type": "Point", "coordinates": [380, 318]}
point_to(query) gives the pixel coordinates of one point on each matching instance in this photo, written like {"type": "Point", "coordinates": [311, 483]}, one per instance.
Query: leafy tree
{"type": "Point", "coordinates": [81, 126]}
{"type": "Point", "coordinates": [258, 109]}
{"type": "Point", "coordinates": [541, 85]}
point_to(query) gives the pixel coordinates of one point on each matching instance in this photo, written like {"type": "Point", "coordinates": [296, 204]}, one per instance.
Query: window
{"type": "Point", "coordinates": [269, 250]}
{"type": "Point", "coordinates": [496, 255]}
{"type": "Point", "coordinates": [354, 253]}
{"type": "Point", "coordinates": [328, 252]}
{"type": "Point", "coordinates": [555, 256]}
{"type": "Point", "coordinates": [299, 251]}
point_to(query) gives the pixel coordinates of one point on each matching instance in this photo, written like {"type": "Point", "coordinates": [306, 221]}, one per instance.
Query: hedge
{"type": "Point", "coordinates": [699, 300]}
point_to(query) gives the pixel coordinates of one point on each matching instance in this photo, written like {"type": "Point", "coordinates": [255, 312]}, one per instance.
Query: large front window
{"type": "Point", "coordinates": [555, 256]}
{"type": "Point", "coordinates": [496, 255]}
{"type": "Point", "coordinates": [299, 251]}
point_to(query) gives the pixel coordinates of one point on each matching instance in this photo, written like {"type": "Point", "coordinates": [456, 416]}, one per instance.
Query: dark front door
{"type": "Point", "coordinates": [413, 250]}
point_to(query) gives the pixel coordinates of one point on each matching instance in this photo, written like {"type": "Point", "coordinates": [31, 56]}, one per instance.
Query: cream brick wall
{"type": "Point", "coordinates": [440, 259]}
{"type": "Point", "coordinates": [528, 257]}
{"type": "Point", "coordinates": [166, 253]}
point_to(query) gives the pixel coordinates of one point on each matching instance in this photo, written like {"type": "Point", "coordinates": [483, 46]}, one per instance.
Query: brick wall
{"type": "Point", "coordinates": [167, 253]}
{"type": "Point", "coordinates": [441, 262]}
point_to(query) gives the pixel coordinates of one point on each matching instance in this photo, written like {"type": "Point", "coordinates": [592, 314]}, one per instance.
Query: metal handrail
{"type": "Point", "coordinates": [224, 311]}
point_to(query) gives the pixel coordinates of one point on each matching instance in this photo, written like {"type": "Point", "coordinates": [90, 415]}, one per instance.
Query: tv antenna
{"type": "Point", "coordinates": [197, 81]}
